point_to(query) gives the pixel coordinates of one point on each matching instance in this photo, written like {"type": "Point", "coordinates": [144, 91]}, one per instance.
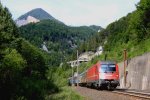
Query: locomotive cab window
{"type": "Point", "coordinates": [107, 68]}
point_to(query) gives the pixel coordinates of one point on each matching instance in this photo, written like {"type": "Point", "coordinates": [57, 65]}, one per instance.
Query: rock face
{"type": "Point", "coordinates": [29, 19]}
{"type": "Point", "coordinates": [21, 22]}
{"type": "Point", "coordinates": [44, 47]}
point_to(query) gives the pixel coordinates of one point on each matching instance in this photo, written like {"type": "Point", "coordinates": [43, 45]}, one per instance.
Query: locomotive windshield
{"type": "Point", "coordinates": [107, 68]}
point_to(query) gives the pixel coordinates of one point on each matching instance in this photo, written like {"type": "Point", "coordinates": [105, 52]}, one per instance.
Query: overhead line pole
{"type": "Point", "coordinates": [77, 69]}
{"type": "Point", "coordinates": [72, 76]}
{"type": "Point", "coordinates": [125, 58]}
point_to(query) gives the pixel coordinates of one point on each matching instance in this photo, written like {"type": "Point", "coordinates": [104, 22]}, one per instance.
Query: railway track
{"type": "Point", "coordinates": [136, 94]}
{"type": "Point", "coordinates": [118, 94]}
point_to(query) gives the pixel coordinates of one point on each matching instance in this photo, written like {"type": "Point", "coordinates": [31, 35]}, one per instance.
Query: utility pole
{"type": "Point", "coordinates": [125, 58]}
{"type": "Point", "coordinates": [105, 56]}
{"type": "Point", "coordinates": [77, 69]}
{"type": "Point", "coordinates": [72, 76]}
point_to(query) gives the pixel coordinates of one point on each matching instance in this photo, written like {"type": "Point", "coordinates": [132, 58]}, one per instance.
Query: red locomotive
{"type": "Point", "coordinates": [102, 75]}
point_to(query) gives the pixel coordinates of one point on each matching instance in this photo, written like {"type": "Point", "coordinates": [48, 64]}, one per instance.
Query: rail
{"type": "Point", "coordinates": [142, 95]}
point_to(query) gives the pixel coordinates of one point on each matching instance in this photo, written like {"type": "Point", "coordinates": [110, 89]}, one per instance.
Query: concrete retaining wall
{"type": "Point", "coordinates": [138, 76]}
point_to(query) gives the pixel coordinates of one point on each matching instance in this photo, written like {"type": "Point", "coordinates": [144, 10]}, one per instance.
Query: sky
{"type": "Point", "coordinates": [75, 12]}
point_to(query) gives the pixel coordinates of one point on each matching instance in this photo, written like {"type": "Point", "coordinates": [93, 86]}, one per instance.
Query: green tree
{"type": "Point", "coordinates": [11, 74]}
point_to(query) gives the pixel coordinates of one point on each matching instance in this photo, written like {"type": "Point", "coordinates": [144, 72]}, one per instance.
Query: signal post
{"type": "Point", "coordinates": [125, 58]}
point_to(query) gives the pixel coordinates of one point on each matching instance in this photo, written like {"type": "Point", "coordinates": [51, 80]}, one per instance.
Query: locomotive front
{"type": "Point", "coordinates": [108, 75]}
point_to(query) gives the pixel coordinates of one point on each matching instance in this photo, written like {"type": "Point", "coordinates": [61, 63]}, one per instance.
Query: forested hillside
{"type": "Point", "coordinates": [131, 32]}
{"type": "Point", "coordinates": [60, 39]}
{"type": "Point", "coordinates": [26, 71]}
{"type": "Point", "coordinates": [23, 67]}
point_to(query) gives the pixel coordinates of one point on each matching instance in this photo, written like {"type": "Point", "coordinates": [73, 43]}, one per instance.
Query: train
{"type": "Point", "coordinates": [102, 75]}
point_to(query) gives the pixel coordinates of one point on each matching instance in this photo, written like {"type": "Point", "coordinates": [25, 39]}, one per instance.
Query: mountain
{"type": "Point", "coordinates": [58, 37]}
{"type": "Point", "coordinates": [95, 27]}
{"type": "Point", "coordinates": [37, 13]}
{"type": "Point", "coordinates": [33, 16]}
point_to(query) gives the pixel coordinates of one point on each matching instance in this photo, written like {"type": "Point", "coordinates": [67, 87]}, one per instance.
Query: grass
{"type": "Point", "coordinates": [117, 53]}
{"type": "Point", "coordinates": [66, 93]}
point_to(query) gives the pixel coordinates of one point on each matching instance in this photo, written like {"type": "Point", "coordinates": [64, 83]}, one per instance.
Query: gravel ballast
{"type": "Point", "coordinates": [93, 94]}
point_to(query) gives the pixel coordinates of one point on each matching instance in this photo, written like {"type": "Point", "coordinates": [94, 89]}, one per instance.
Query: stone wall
{"type": "Point", "coordinates": [138, 76]}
